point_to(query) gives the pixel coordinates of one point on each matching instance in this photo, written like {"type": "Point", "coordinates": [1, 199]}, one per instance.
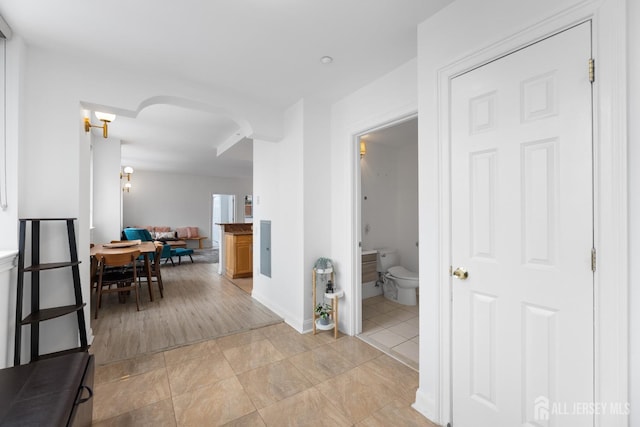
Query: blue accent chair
{"type": "Point", "coordinates": [180, 252]}
{"type": "Point", "coordinates": [144, 235]}
{"type": "Point", "coordinates": [138, 234]}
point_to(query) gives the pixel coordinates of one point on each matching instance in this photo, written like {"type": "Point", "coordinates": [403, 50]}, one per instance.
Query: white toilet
{"type": "Point", "coordinates": [400, 284]}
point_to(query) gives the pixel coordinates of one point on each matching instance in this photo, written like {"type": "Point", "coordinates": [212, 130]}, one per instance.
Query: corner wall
{"type": "Point", "coordinates": [278, 197]}
{"type": "Point", "coordinates": [14, 66]}
{"type": "Point", "coordinates": [291, 189]}
{"type": "Point", "coordinates": [633, 35]}
{"type": "Point", "coordinates": [107, 193]}
{"type": "Point", "coordinates": [317, 202]}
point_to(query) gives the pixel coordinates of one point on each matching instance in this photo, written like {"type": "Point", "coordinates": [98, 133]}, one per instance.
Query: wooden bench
{"type": "Point", "coordinates": [49, 392]}
{"type": "Point", "coordinates": [182, 243]}
{"type": "Point", "coordinates": [199, 239]}
{"type": "Point", "coordinates": [176, 243]}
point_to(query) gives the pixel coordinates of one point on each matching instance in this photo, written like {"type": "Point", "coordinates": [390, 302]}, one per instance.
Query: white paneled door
{"type": "Point", "coordinates": [522, 228]}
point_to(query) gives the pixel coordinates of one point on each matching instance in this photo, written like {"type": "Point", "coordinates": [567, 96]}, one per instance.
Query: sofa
{"type": "Point", "coordinates": [166, 234]}
{"type": "Point", "coordinates": [168, 252]}
{"type": "Point", "coordinates": [146, 236]}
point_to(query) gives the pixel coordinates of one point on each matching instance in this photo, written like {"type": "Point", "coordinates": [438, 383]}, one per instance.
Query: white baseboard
{"type": "Point", "coordinates": [291, 320]}
{"type": "Point", "coordinates": [426, 405]}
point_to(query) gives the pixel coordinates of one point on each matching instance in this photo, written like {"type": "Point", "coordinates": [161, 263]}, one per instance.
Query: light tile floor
{"type": "Point", "coordinates": [272, 376]}
{"type": "Point", "coordinates": [392, 328]}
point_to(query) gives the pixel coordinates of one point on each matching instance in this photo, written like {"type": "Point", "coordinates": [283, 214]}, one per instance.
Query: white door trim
{"type": "Point", "coordinates": [610, 199]}
{"type": "Point", "coordinates": [393, 118]}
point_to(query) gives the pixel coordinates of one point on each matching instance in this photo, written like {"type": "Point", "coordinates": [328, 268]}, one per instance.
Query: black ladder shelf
{"type": "Point", "coordinates": [37, 314]}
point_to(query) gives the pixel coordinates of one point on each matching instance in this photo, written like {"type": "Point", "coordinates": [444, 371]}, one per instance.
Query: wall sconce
{"type": "Point", "coordinates": [104, 118]}
{"type": "Point", "coordinates": [363, 148]}
{"type": "Point", "coordinates": [127, 187]}
{"type": "Point", "coordinates": [127, 170]}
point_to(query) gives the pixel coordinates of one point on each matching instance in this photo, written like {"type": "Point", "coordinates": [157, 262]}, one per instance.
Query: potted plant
{"type": "Point", "coordinates": [323, 310]}
{"type": "Point", "coordinates": [323, 265]}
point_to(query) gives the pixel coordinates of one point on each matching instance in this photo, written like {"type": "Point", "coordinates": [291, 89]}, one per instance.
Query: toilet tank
{"type": "Point", "coordinates": [387, 258]}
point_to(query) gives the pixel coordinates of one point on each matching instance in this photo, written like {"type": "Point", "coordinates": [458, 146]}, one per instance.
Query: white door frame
{"type": "Point", "coordinates": [221, 251]}
{"type": "Point", "coordinates": [352, 317]}
{"type": "Point", "coordinates": [356, 250]}
{"type": "Point", "coordinates": [610, 199]}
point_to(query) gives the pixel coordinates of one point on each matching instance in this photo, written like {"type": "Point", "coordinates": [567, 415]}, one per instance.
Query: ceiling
{"type": "Point", "coordinates": [179, 140]}
{"type": "Point", "coordinates": [264, 50]}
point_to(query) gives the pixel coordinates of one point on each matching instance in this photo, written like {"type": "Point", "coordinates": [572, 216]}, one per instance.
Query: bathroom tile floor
{"type": "Point", "coordinates": [272, 376]}
{"type": "Point", "coordinates": [392, 328]}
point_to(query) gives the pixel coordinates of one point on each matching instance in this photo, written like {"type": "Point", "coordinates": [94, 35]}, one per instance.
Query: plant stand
{"type": "Point", "coordinates": [334, 297]}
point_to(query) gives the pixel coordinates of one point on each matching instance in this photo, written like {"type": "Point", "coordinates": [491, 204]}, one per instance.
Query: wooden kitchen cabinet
{"type": "Point", "coordinates": [239, 254]}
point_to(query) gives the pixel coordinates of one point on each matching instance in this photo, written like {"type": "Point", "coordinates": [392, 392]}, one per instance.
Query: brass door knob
{"type": "Point", "coordinates": [460, 273]}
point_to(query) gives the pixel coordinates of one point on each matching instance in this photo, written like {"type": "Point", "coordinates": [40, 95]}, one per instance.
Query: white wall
{"type": "Point", "coordinates": [633, 37]}
{"type": "Point", "coordinates": [390, 185]}
{"type": "Point", "coordinates": [15, 58]}
{"type": "Point", "coordinates": [406, 201]}
{"type": "Point", "coordinates": [7, 307]}
{"type": "Point", "coordinates": [106, 189]}
{"type": "Point", "coordinates": [177, 200]}
{"type": "Point", "coordinates": [317, 203]}
{"type": "Point", "coordinates": [277, 189]}
{"type": "Point", "coordinates": [291, 189]}
{"type": "Point", "coordinates": [440, 43]}
{"type": "Point", "coordinates": [379, 181]}
{"type": "Point", "coordinates": [9, 218]}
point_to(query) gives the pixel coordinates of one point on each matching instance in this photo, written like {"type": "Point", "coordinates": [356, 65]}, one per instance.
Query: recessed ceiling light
{"type": "Point", "coordinates": [326, 60]}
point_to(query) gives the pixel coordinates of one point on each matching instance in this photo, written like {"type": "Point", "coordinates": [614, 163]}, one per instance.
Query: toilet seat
{"type": "Point", "coordinates": [402, 273]}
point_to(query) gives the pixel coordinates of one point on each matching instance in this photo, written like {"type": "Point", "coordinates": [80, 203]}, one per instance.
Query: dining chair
{"type": "Point", "coordinates": [94, 267]}
{"type": "Point", "coordinates": [93, 271]}
{"type": "Point", "coordinates": [155, 270]}
{"type": "Point", "coordinates": [124, 279]}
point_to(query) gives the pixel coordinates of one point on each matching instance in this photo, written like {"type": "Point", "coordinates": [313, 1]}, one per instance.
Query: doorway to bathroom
{"type": "Point", "coordinates": [388, 227]}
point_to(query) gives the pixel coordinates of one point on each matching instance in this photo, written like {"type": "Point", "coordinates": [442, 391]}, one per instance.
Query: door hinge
{"type": "Point", "coordinates": [592, 70]}
{"type": "Point", "coordinates": [593, 259]}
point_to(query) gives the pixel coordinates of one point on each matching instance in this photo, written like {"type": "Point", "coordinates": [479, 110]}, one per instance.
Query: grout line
{"type": "Point", "coordinates": [364, 336]}
{"type": "Point", "coordinates": [389, 352]}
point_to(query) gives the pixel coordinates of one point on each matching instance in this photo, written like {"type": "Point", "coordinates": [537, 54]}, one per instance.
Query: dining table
{"type": "Point", "coordinates": [145, 249]}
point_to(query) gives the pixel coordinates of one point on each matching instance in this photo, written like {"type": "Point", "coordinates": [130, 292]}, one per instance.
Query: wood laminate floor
{"type": "Point", "coordinates": [198, 305]}
{"type": "Point", "coordinates": [246, 284]}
